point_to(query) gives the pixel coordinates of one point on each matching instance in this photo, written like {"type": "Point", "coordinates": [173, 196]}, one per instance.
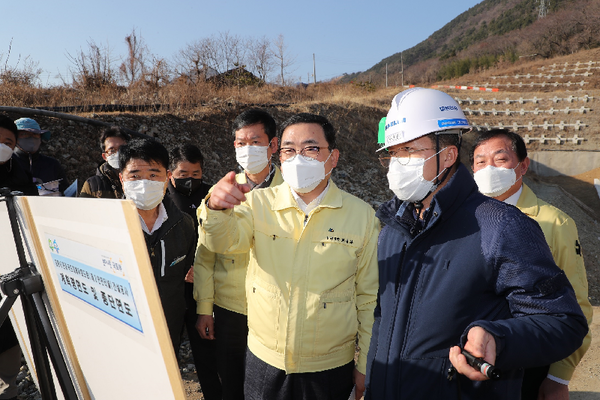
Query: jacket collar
{"type": "Point", "coordinates": [528, 202]}
{"type": "Point", "coordinates": [284, 198]}
{"type": "Point", "coordinates": [25, 155]}
{"type": "Point", "coordinates": [450, 197]}
{"type": "Point", "coordinates": [108, 171]}
{"type": "Point", "coordinates": [175, 215]}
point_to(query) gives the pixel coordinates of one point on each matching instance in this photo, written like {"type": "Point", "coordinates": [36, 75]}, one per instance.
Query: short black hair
{"type": "Point", "coordinates": [254, 116]}
{"type": "Point", "coordinates": [447, 139]}
{"type": "Point", "coordinates": [187, 152]}
{"type": "Point", "coordinates": [7, 123]}
{"type": "Point", "coordinates": [113, 131]}
{"type": "Point", "coordinates": [518, 144]}
{"type": "Point", "coordinates": [148, 150]}
{"type": "Point", "coordinates": [306, 118]}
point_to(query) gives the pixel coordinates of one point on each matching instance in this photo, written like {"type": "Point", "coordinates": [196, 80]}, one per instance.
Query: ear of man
{"type": "Point", "coordinates": [451, 156]}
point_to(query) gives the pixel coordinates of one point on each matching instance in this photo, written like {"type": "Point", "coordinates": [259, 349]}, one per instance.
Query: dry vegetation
{"type": "Point", "coordinates": [179, 96]}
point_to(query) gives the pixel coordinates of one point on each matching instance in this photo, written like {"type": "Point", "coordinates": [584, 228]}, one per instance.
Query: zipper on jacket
{"type": "Point", "coordinates": [399, 272]}
{"type": "Point", "coordinates": [162, 268]}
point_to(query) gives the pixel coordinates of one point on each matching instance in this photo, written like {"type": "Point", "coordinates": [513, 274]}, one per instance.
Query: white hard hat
{"type": "Point", "coordinates": [418, 112]}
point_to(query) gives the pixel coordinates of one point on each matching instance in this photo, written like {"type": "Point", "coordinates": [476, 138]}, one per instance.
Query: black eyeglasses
{"type": "Point", "coordinates": [287, 153]}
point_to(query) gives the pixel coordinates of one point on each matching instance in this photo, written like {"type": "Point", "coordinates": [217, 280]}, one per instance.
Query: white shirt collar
{"type": "Point", "coordinates": [307, 208]}
{"type": "Point", "coordinates": [512, 200]}
{"type": "Point", "coordinates": [162, 217]}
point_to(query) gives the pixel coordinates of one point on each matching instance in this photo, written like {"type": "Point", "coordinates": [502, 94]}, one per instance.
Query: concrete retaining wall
{"type": "Point", "coordinates": [554, 163]}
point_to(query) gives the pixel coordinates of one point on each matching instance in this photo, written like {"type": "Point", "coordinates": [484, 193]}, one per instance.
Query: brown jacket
{"type": "Point", "coordinates": [104, 185]}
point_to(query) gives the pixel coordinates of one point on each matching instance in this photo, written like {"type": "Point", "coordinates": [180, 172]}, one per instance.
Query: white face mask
{"type": "Point", "coordinates": [146, 194]}
{"type": "Point", "coordinates": [303, 174]}
{"type": "Point", "coordinates": [407, 182]}
{"type": "Point", "coordinates": [113, 160]}
{"type": "Point", "coordinates": [5, 153]}
{"type": "Point", "coordinates": [495, 181]}
{"type": "Point", "coordinates": [252, 158]}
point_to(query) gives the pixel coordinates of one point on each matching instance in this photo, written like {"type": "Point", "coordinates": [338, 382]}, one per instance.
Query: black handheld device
{"type": "Point", "coordinates": [481, 365]}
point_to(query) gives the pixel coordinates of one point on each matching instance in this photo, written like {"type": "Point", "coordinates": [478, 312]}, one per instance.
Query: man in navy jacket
{"type": "Point", "coordinates": [458, 271]}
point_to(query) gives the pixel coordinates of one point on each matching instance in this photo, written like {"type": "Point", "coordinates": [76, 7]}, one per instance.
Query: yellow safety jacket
{"type": "Point", "coordinates": [220, 278]}
{"type": "Point", "coordinates": [312, 280]}
{"type": "Point", "coordinates": [561, 234]}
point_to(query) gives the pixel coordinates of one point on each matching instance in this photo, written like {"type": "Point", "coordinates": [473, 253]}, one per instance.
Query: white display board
{"type": "Point", "coordinates": [100, 285]}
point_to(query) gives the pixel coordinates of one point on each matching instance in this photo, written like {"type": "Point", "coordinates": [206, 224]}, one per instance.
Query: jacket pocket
{"type": "Point", "coordinates": [337, 322]}
{"type": "Point", "coordinates": [264, 313]}
{"type": "Point", "coordinates": [230, 274]}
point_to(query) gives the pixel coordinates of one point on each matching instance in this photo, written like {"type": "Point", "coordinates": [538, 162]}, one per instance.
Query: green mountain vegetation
{"type": "Point", "coordinates": [491, 32]}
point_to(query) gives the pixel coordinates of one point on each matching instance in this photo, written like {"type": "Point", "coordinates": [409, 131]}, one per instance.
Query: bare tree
{"type": "Point", "coordinates": [196, 60]}
{"type": "Point", "coordinates": [92, 69]}
{"type": "Point", "coordinates": [260, 58]}
{"type": "Point", "coordinates": [24, 72]}
{"type": "Point", "coordinates": [213, 55]}
{"type": "Point", "coordinates": [282, 56]}
{"type": "Point", "coordinates": [231, 50]}
{"type": "Point", "coordinates": [133, 66]}
{"type": "Point", "coordinates": [157, 73]}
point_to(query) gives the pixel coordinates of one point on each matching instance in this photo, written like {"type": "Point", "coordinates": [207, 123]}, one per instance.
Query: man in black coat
{"type": "Point", "coordinates": [169, 233]}
{"type": "Point", "coordinates": [187, 190]}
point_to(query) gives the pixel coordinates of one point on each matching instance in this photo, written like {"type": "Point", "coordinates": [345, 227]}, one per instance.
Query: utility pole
{"type": "Point", "coordinates": [314, 69]}
{"type": "Point", "coordinates": [402, 64]}
{"type": "Point", "coordinates": [386, 75]}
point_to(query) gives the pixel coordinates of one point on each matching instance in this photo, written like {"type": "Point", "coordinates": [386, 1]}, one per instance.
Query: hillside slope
{"type": "Point", "coordinates": [491, 32]}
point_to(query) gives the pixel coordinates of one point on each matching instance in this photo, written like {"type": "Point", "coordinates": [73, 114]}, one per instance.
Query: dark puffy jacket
{"type": "Point", "coordinates": [16, 178]}
{"type": "Point", "coordinates": [104, 185]}
{"type": "Point", "coordinates": [172, 249]}
{"type": "Point", "coordinates": [43, 168]}
{"type": "Point", "coordinates": [188, 204]}
{"type": "Point", "coordinates": [477, 262]}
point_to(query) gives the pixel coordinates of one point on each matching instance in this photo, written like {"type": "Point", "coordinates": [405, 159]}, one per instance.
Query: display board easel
{"type": "Point", "coordinates": [102, 295]}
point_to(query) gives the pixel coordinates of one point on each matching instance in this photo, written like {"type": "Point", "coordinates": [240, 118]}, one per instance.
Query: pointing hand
{"type": "Point", "coordinates": [228, 193]}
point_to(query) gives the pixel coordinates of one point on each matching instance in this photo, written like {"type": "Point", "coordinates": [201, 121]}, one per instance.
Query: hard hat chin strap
{"type": "Point", "coordinates": [437, 149]}
{"type": "Point", "coordinates": [419, 204]}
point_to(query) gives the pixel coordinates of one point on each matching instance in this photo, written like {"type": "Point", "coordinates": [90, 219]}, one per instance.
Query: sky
{"type": "Point", "coordinates": [345, 36]}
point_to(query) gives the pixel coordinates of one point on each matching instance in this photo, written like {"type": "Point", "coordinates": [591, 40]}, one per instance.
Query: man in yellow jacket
{"type": "Point", "coordinates": [219, 279]}
{"type": "Point", "coordinates": [312, 277]}
{"type": "Point", "coordinates": [499, 161]}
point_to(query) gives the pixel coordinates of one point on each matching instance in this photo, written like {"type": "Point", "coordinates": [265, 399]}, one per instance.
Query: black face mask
{"type": "Point", "coordinates": [187, 186]}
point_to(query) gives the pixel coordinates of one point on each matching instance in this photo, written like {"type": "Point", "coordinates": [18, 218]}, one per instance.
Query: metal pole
{"type": "Point", "coordinates": [314, 69]}
{"type": "Point", "coordinates": [386, 75]}
{"type": "Point", "coordinates": [402, 64]}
